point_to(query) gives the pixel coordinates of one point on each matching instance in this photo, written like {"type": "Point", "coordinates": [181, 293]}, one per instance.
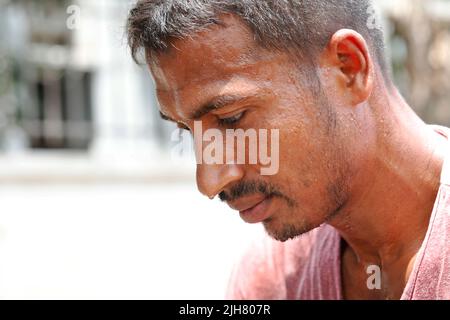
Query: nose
{"type": "Point", "coordinates": [213, 179]}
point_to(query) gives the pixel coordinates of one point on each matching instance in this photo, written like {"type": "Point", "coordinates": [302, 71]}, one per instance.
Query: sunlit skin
{"type": "Point", "coordinates": [354, 156]}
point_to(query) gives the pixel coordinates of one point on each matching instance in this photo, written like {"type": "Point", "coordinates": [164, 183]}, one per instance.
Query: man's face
{"type": "Point", "coordinates": [262, 89]}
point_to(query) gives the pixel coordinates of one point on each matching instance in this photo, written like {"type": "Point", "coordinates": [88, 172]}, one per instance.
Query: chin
{"type": "Point", "coordinates": [286, 231]}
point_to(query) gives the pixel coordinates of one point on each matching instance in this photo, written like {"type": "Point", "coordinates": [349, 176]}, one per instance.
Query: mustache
{"type": "Point", "coordinates": [245, 188]}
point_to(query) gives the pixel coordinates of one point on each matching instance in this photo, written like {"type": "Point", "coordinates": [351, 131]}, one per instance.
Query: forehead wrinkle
{"type": "Point", "coordinates": [255, 71]}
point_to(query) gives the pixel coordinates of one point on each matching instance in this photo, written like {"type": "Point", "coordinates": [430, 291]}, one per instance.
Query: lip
{"type": "Point", "coordinates": [253, 209]}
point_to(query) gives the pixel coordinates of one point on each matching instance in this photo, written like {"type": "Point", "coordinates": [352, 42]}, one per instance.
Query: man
{"type": "Point", "coordinates": [359, 192]}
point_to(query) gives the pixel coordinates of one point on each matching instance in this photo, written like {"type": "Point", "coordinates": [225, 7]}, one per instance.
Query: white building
{"type": "Point", "coordinates": [80, 93]}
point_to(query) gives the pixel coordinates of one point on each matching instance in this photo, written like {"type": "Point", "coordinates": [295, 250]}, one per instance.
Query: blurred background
{"type": "Point", "coordinates": [94, 202]}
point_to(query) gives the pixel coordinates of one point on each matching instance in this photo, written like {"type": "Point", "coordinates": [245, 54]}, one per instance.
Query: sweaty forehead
{"type": "Point", "coordinates": [215, 54]}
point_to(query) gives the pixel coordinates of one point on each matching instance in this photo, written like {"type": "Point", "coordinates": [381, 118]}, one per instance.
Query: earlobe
{"type": "Point", "coordinates": [349, 56]}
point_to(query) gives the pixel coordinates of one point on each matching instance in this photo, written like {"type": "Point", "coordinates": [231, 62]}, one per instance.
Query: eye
{"type": "Point", "coordinates": [183, 127]}
{"type": "Point", "coordinates": [231, 120]}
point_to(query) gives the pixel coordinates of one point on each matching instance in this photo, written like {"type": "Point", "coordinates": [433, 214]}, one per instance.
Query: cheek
{"type": "Point", "coordinates": [301, 148]}
{"type": "Point", "coordinates": [305, 160]}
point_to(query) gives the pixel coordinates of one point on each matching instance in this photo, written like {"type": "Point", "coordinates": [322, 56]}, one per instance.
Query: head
{"type": "Point", "coordinates": [306, 68]}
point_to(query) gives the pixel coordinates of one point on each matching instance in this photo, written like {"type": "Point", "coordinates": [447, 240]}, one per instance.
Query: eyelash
{"type": "Point", "coordinates": [222, 122]}
{"type": "Point", "coordinates": [183, 127]}
{"type": "Point", "coordinates": [231, 120]}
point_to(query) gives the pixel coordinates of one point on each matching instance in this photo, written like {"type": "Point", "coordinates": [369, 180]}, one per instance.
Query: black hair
{"type": "Point", "coordinates": [300, 26]}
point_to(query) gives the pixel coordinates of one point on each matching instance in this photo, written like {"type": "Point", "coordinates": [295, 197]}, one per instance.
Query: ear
{"type": "Point", "coordinates": [347, 57]}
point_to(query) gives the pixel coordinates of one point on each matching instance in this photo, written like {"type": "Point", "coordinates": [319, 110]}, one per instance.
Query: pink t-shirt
{"type": "Point", "coordinates": [309, 267]}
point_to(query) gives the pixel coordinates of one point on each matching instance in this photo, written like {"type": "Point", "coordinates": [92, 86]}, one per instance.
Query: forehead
{"type": "Point", "coordinates": [224, 57]}
{"type": "Point", "coordinates": [205, 54]}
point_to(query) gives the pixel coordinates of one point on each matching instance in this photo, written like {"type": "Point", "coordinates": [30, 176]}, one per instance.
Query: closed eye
{"type": "Point", "coordinates": [231, 120]}
{"type": "Point", "coordinates": [183, 127]}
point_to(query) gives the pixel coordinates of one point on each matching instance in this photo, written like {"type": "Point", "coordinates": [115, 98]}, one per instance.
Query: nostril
{"type": "Point", "coordinates": [213, 179]}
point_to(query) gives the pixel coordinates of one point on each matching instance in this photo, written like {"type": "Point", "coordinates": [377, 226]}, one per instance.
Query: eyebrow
{"type": "Point", "coordinates": [164, 117]}
{"type": "Point", "coordinates": [217, 103]}
{"type": "Point", "coordinates": [214, 104]}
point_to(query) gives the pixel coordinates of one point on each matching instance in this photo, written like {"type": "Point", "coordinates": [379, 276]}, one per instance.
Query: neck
{"type": "Point", "coordinates": [388, 212]}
